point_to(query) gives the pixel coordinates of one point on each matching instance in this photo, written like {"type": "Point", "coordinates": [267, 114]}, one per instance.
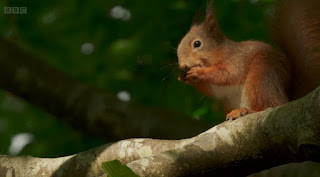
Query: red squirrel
{"type": "Point", "coordinates": [251, 76]}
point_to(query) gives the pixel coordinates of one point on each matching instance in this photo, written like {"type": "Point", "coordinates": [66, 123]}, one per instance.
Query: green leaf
{"type": "Point", "coordinates": [116, 169]}
{"type": "Point", "coordinates": [200, 112]}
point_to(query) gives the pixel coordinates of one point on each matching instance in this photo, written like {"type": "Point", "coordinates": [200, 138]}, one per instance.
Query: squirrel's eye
{"type": "Point", "coordinates": [196, 44]}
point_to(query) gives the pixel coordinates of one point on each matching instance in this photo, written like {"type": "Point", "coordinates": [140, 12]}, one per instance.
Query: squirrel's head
{"type": "Point", "coordinates": [197, 46]}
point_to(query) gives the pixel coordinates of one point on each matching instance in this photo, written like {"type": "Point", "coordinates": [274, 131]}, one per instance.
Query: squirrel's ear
{"type": "Point", "coordinates": [210, 21]}
{"type": "Point", "coordinates": [211, 24]}
{"type": "Point", "coordinates": [209, 7]}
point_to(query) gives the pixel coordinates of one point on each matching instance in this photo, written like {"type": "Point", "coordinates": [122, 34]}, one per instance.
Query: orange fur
{"type": "Point", "coordinates": [251, 76]}
{"type": "Point", "coordinates": [297, 32]}
{"type": "Point", "coordinates": [268, 84]}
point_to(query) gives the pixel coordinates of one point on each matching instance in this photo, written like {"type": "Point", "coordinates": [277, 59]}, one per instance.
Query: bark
{"type": "Point", "coordinates": [289, 133]}
{"type": "Point", "coordinates": [87, 163]}
{"type": "Point", "coordinates": [84, 107]}
{"type": "Point", "coordinates": [304, 169]}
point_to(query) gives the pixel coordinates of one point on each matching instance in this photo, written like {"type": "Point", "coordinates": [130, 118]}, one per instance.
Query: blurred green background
{"type": "Point", "coordinates": [122, 46]}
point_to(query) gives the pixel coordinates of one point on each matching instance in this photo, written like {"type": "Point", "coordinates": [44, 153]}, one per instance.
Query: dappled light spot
{"type": "Point", "coordinates": [49, 18]}
{"type": "Point", "coordinates": [124, 96]}
{"type": "Point", "coordinates": [144, 151]}
{"type": "Point", "coordinates": [178, 5]}
{"type": "Point", "coordinates": [124, 47]}
{"type": "Point", "coordinates": [12, 103]}
{"type": "Point", "coordinates": [144, 163]}
{"type": "Point", "coordinates": [19, 141]}
{"type": "Point", "coordinates": [87, 48]}
{"type": "Point", "coordinates": [197, 117]}
{"type": "Point", "coordinates": [118, 12]}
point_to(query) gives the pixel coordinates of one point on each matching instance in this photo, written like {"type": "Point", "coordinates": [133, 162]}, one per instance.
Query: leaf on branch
{"type": "Point", "coordinates": [115, 168]}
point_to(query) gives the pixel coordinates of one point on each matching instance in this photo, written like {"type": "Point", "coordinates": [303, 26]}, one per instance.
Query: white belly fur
{"type": "Point", "coordinates": [233, 95]}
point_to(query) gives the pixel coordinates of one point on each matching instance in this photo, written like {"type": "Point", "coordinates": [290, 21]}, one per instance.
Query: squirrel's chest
{"type": "Point", "coordinates": [232, 96]}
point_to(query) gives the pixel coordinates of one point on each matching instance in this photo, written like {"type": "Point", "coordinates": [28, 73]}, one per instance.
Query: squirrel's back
{"type": "Point", "coordinates": [297, 32]}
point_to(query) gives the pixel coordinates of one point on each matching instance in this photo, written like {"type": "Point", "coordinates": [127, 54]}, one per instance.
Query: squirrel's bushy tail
{"type": "Point", "coordinates": [297, 32]}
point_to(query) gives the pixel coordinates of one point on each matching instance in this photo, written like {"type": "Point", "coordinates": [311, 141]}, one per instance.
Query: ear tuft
{"type": "Point", "coordinates": [209, 7]}
{"type": "Point", "coordinates": [210, 21]}
{"type": "Point", "coordinates": [211, 24]}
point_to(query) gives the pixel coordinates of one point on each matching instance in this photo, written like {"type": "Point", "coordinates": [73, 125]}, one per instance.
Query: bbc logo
{"type": "Point", "coordinates": [15, 10]}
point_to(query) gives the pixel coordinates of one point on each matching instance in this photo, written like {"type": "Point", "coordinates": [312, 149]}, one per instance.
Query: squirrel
{"type": "Point", "coordinates": [251, 76]}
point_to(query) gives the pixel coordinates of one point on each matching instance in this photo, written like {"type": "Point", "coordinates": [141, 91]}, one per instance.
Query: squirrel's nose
{"type": "Point", "coordinates": [184, 67]}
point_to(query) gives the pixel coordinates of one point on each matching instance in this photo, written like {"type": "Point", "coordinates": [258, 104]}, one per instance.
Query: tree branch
{"type": "Point", "coordinates": [87, 163]}
{"type": "Point", "coordinates": [85, 107]}
{"type": "Point", "coordinates": [289, 133]}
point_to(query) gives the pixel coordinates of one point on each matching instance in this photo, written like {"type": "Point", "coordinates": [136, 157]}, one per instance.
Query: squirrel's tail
{"type": "Point", "coordinates": [297, 32]}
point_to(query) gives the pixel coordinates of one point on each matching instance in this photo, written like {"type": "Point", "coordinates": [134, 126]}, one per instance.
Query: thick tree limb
{"type": "Point", "coordinates": [86, 163]}
{"type": "Point", "coordinates": [289, 133]}
{"type": "Point", "coordinates": [84, 107]}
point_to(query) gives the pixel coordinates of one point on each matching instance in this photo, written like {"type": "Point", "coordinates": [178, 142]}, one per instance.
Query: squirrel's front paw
{"type": "Point", "coordinates": [194, 75]}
